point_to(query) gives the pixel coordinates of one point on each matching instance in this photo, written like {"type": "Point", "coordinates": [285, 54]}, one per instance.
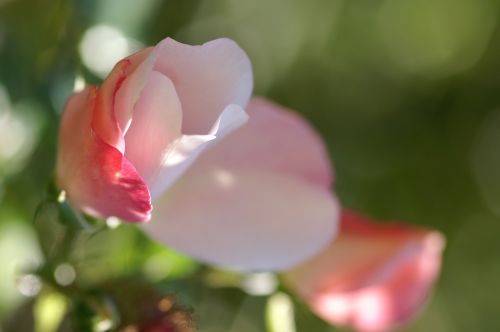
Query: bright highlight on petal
{"type": "Point", "coordinates": [157, 120]}
{"type": "Point", "coordinates": [184, 151]}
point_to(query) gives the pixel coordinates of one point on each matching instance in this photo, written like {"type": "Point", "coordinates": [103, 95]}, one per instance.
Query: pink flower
{"type": "Point", "coordinates": [257, 199]}
{"type": "Point", "coordinates": [373, 277]}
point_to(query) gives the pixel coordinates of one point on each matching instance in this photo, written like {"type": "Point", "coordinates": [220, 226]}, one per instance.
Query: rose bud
{"type": "Point", "coordinates": [168, 126]}
{"type": "Point", "coordinates": [374, 277]}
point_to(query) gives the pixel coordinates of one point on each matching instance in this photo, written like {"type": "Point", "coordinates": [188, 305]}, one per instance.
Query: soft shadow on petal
{"type": "Point", "coordinates": [275, 139]}
{"type": "Point", "coordinates": [156, 125]}
{"type": "Point", "coordinates": [207, 78]}
{"type": "Point", "coordinates": [96, 176]}
{"type": "Point", "coordinates": [184, 151]}
{"type": "Point", "coordinates": [244, 219]}
{"type": "Point", "coordinates": [373, 277]}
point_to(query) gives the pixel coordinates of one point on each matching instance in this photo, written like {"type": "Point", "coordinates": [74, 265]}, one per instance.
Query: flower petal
{"type": "Point", "coordinates": [372, 277]}
{"type": "Point", "coordinates": [275, 139]}
{"type": "Point", "coordinates": [104, 120]}
{"type": "Point", "coordinates": [157, 119]}
{"type": "Point", "coordinates": [259, 199]}
{"type": "Point", "coordinates": [184, 151]}
{"type": "Point", "coordinates": [207, 78]}
{"type": "Point", "coordinates": [130, 90]}
{"type": "Point", "coordinates": [95, 175]}
{"type": "Point", "coordinates": [244, 219]}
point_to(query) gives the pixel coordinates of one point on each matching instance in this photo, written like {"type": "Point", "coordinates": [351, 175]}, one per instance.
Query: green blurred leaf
{"type": "Point", "coordinates": [71, 218]}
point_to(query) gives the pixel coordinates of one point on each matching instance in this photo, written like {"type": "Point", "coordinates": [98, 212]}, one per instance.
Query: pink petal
{"type": "Point", "coordinates": [95, 175]}
{"type": "Point", "coordinates": [184, 151]}
{"type": "Point", "coordinates": [244, 219]}
{"type": "Point", "coordinates": [104, 120]}
{"type": "Point", "coordinates": [207, 78]}
{"type": "Point", "coordinates": [372, 277]}
{"type": "Point", "coordinates": [132, 87]}
{"type": "Point", "coordinates": [278, 140]}
{"type": "Point", "coordinates": [156, 124]}
{"type": "Point", "coordinates": [259, 199]}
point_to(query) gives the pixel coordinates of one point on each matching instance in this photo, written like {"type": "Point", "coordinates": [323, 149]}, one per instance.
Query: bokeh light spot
{"type": "Point", "coordinates": [280, 313]}
{"type": "Point", "coordinates": [29, 285]}
{"type": "Point", "coordinates": [260, 283]}
{"type": "Point", "coordinates": [102, 47]}
{"type": "Point", "coordinates": [65, 274]}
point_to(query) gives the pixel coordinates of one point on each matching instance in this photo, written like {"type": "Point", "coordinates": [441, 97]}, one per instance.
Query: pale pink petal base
{"type": "Point", "coordinates": [244, 220]}
{"type": "Point", "coordinates": [373, 277]}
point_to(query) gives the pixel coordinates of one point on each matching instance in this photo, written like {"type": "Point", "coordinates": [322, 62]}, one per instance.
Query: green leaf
{"type": "Point", "coordinates": [71, 218]}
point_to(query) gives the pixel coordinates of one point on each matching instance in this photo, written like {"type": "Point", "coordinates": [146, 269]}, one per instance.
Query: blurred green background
{"type": "Point", "coordinates": [406, 94]}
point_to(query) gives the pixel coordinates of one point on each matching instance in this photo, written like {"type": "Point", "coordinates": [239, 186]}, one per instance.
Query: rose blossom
{"type": "Point", "coordinates": [373, 277]}
{"type": "Point", "coordinates": [242, 189]}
